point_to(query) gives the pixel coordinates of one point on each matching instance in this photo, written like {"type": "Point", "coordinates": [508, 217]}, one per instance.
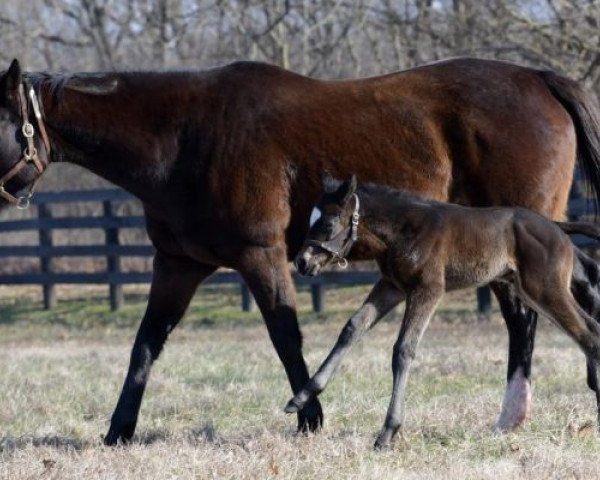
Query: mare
{"type": "Point", "coordinates": [424, 248]}
{"type": "Point", "coordinates": [228, 163]}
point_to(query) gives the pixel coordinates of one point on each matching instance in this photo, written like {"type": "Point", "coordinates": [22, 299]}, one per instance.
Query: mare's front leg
{"type": "Point", "coordinates": [267, 274]}
{"type": "Point", "coordinates": [521, 323]}
{"type": "Point", "coordinates": [383, 298]}
{"type": "Point", "coordinates": [174, 282]}
{"type": "Point", "coordinates": [420, 306]}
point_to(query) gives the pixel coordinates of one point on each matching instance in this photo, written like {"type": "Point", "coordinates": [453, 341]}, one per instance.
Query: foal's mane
{"type": "Point", "coordinates": [393, 196]}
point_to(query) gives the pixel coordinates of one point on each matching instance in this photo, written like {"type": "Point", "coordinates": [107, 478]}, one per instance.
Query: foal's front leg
{"type": "Point", "coordinates": [383, 298]}
{"type": "Point", "coordinates": [420, 306]}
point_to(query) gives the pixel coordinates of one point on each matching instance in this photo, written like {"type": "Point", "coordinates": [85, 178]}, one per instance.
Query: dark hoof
{"type": "Point", "coordinates": [291, 407]}
{"type": "Point", "coordinates": [119, 434]}
{"type": "Point", "coordinates": [384, 440]}
{"type": "Point", "coordinates": [310, 418]}
{"type": "Point", "coordinates": [382, 444]}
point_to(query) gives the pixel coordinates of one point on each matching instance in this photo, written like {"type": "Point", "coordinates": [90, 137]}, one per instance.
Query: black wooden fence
{"type": "Point", "coordinates": [113, 251]}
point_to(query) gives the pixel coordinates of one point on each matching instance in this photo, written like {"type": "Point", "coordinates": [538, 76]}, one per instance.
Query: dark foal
{"type": "Point", "coordinates": [425, 248]}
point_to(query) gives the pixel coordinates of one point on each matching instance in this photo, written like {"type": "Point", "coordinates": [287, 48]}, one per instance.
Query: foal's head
{"type": "Point", "coordinates": [333, 227]}
{"type": "Point", "coordinates": [22, 156]}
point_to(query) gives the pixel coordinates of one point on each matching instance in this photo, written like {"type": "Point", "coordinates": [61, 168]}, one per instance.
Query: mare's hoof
{"type": "Point", "coordinates": [119, 434]}
{"type": "Point", "coordinates": [310, 418]}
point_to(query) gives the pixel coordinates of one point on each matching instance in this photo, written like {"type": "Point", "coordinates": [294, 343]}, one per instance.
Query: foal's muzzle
{"type": "Point", "coordinates": [308, 262]}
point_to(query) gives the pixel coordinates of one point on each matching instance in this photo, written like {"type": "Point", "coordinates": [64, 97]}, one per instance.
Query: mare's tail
{"type": "Point", "coordinates": [584, 110]}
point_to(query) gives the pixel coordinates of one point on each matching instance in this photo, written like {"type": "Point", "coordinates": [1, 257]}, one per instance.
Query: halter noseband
{"type": "Point", "coordinates": [30, 154]}
{"type": "Point", "coordinates": [340, 245]}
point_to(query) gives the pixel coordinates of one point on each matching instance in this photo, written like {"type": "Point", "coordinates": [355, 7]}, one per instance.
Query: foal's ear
{"type": "Point", "coordinates": [346, 190]}
{"type": "Point", "coordinates": [330, 184]}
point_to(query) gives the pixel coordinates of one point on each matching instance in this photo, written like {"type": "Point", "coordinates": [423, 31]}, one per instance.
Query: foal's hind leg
{"type": "Point", "coordinates": [420, 306]}
{"type": "Point", "coordinates": [383, 298]}
{"type": "Point", "coordinates": [557, 301]}
{"type": "Point", "coordinates": [585, 288]}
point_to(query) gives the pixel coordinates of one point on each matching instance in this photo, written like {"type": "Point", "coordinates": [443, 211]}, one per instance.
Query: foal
{"type": "Point", "coordinates": [425, 248]}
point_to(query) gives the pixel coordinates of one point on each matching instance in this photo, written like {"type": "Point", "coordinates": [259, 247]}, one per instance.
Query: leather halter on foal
{"type": "Point", "coordinates": [340, 245]}
{"type": "Point", "coordinates": [30, 154]}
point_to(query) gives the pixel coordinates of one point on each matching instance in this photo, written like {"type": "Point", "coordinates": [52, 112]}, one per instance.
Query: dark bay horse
{"type": "Point", "coordinates": [228, 162]}
{"type": "Point", "coordinates": [424, 248]}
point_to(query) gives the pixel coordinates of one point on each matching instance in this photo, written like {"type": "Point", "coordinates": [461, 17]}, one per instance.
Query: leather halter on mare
{"type": "Point", "coordinates": [340, 245]}
{"type": "Point", "coordinates": [30, 154]}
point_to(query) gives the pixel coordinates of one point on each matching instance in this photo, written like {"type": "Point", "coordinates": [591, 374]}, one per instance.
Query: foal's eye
{"type": "Point", "coordinates": [331, 223]}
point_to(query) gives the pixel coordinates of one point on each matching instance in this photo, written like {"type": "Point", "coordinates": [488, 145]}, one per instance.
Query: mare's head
{"type": "Point", "coordinates": [333, 227]}
{"type": "Point", "coordinates": [21, 147]}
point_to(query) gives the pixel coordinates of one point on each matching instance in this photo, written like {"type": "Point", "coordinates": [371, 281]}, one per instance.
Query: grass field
{"type": "Point", "coordinates": [213, 408]}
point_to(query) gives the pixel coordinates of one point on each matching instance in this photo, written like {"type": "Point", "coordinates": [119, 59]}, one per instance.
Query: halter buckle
{"type": "Point", "coordinates": [29, 153]}
{"type": "Point", "coordinates": [28, 130]}
{"type": "Point", "coordinates": [342, 263]}
{"type": "Point", "coordinates": [24, 201]}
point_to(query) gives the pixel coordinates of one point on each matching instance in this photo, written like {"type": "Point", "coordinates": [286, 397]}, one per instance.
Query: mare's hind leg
{"type": "Point", "coordinates": [267, 274]}
{"type": "Point", "coordinates": [383, 298]}
{"type": "Point", "coordinates": [521, 323]}
{"type": "Point", "coordinates": [174, 282]}
{"type": "Point", "coordinates": [420, 306]}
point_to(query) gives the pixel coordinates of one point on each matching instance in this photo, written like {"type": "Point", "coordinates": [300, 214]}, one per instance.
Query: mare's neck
{"type": "Point", "coordinates": [129, 136]}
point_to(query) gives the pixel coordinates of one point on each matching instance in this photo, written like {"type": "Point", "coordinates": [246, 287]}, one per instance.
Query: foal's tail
{"type": "Point", "coordinates": [585, 112]}
{"type": "Point", "coordinates": [584, 228]}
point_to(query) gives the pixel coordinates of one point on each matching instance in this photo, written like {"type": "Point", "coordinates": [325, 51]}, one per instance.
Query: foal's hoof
{"type": "Point", "coordinates": [291, 407]}
{"type": "Point", "coordinates": [382, 443]}
{"type": "Point", "coordinates": [384, 439]}
{"type": "Point", "coordinates": [294, 406]}
{"type": "Point", "coordinates": [118, 434]}
{"type": "Point", "coordinates": [310, 418]}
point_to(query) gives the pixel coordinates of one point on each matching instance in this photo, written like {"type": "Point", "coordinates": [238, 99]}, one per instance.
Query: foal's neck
{"type": "Point", "coordinates": [381, 213]}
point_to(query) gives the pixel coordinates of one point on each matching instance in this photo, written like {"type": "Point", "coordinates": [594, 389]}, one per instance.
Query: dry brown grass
{"type": "Point", "coordinates": [214, 405]}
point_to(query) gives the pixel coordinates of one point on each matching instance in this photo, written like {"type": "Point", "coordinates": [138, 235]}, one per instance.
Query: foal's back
{"type": "Point", "coordinates": [471, 246]}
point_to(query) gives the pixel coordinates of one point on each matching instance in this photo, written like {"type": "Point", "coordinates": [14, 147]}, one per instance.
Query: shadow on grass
{"type": "Point", "coordinates": [204, 433]}
{"type": "Point", "coordinates": [10, 444]}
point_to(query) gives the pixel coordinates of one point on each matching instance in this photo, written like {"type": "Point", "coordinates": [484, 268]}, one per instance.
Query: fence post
{"type": "Point", "coordinates": [484, 302]}
{"type": "Point", "coordinates": [248, 303]}
{"type": "Point", "coordinates": [45, 239]}
{"type": "Point", "coordinates": [317, 294]}
{"type": "Point", "coordinates": [112, 261]}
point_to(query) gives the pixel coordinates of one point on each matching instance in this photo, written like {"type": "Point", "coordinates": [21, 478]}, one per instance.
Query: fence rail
{"type": "Point", "coordinates": [113, 251]}
{"type": "Point", "coordinates": [111, 223]}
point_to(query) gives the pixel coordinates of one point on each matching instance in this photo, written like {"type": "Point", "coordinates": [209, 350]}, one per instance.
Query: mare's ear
{"type": "Point", "coordinates": [346, 189]}
{"type": "Point", "coordinates": [12, 78]}
{"type": "Point", "coordinates": [92, 84]}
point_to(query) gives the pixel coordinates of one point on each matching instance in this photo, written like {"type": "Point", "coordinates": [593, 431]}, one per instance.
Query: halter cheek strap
{"type": "Point", "coordinates": [30, 154]}
{"type": "Point", "coordinates": [340, 245]}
